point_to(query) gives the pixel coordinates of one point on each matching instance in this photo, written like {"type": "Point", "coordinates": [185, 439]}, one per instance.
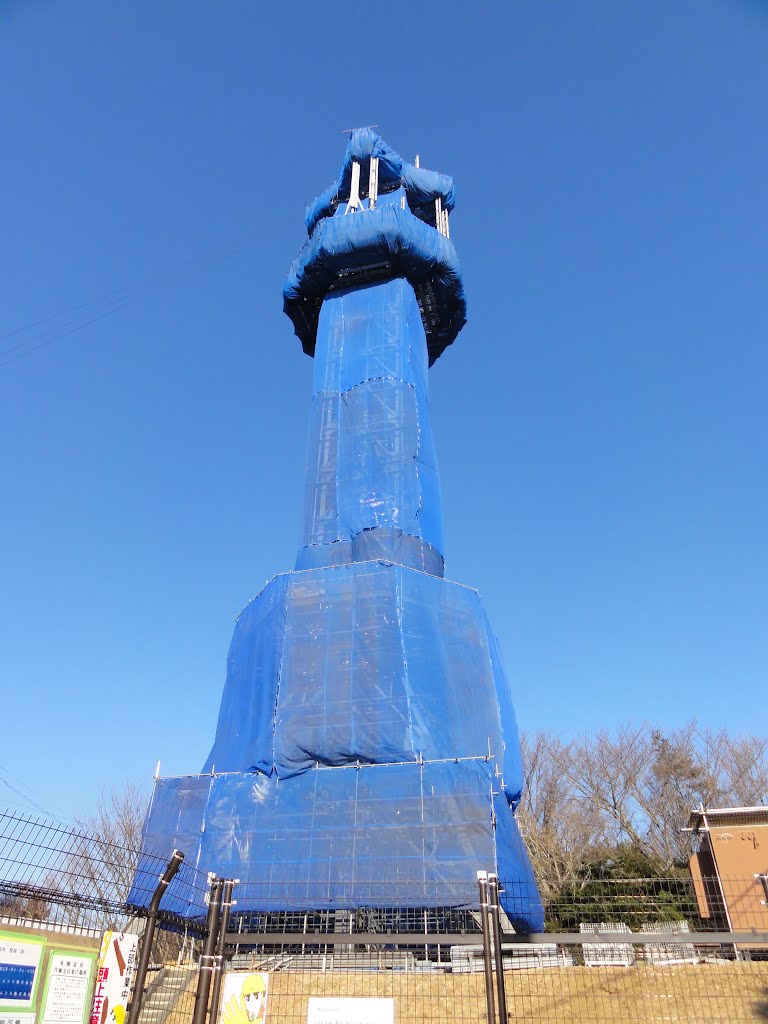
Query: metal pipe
{"type": "Point", "coordinates": [482, 881]}
{"type": "Point", "coordinates": [495, 906]}
{"type": "Point", "coordinates": [218, 971]}
{"type": "Point", "coordinates": [207, 957]}
{"type": "Point", "coordinates": [265, 938]}
{"type": "Point", "coordinates": [149, 933]}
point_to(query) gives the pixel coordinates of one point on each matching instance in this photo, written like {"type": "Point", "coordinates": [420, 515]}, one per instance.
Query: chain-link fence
{"type": "Point", "coordinates": [635, 950]}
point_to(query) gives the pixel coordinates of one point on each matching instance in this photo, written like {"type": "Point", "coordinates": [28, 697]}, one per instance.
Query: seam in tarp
{"type": "Point", "coordinates": [399, 613]}
{"type": "Point", "coordinates": [273, 769]}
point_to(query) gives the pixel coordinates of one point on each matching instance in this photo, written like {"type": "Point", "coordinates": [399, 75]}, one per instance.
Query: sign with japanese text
{"type": "Point", "coordinates": [67, 988]}
{"type": "Point", "coordinates": [114, 973]}
{"type": "Point", "coordinates": [350, 1011]}
{"type": "Point", "coordinates": [19, 970]}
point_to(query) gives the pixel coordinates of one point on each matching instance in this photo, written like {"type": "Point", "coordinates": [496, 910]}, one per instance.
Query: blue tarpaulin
{"type": "Point", "coordinates": [422, 186]}
{"type": "Point", "coordinates": [368, 662]}
{"type": "Point", "coordinates": [386, 241]}
{"type": "Point", "coordinates": [370, 381]}
{"type": "Point", "coordinates": [366, 729]}
{"type": "Point", "coordinates": [377, 835]}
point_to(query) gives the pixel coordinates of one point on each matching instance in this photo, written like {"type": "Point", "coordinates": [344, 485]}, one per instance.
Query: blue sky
{"type": "Point", "coordinates": [600, 422]}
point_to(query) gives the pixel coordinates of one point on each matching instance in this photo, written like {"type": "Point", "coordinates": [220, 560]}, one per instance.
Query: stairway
{"type": "Point", "coordinates": [165, 992]}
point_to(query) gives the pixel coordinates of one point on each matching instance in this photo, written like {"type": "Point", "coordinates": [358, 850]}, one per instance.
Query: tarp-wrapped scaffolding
{"type": "Point", "coordinates": [366, 729]}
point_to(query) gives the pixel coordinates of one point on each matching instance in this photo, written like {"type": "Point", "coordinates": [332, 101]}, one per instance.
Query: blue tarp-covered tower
{"type": "Point", "coordinates": [366, 731]}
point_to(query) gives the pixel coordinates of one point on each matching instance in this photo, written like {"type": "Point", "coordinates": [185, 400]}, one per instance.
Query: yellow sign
{"type": "Point", "coordinates": [245, 998]}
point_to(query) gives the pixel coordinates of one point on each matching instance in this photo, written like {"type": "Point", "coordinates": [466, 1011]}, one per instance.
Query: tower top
{"type": "Point", "coordinates": [399, 229]}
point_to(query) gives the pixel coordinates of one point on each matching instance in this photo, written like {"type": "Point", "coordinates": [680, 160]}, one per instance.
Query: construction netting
{"type": "Point", "coordinates": [368, 662]}
{"type": "Point", "coordinates": [403, 232]}
{"type": "Point", "coordinates": [372, 485]}
{"type": "Point", "coordinates": [366, 727]}
{"type": "Point", "coordinates": [347, 837]}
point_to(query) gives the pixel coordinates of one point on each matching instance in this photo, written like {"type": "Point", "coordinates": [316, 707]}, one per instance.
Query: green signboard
{"type": "Point", "coordinates": [67, 996]}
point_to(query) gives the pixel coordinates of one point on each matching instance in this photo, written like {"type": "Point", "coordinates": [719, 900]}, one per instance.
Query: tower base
{"type": "Point", "coordinates": [395, 835]}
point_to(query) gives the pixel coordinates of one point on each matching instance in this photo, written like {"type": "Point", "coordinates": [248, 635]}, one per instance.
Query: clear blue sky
{"type": "Point", "coordinates": [600, 423]}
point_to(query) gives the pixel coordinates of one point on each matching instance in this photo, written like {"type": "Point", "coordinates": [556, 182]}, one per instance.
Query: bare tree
{"type": "Point", "coordinates": [29, 902]}
{"type": "Point", "coordinates": [632, 787]}
{"type": "Point", "coordinates": [116, 824]}
{"type": "Point", "coordinates": [109, 856]}
{"type": "Point", "coordinates": [102, 857]}
{"type": "Point", "coordinates": [558, 829]}
{"type": "Point", "coordinates": [743, 768]}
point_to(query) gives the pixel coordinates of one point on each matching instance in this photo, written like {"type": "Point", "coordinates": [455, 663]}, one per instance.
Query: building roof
{"type": "Point", "coordinates": [703, 818]}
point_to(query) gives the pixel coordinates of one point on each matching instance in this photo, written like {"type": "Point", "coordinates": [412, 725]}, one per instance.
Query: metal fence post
{"type": "Point", "coordinates": [495, 907]}
{"type": "Point", "coordinates": [207, 956]}
{"type": "Point", "coordinates": [482, 881]}
{"type": "Point", "coordinates": [149, 933]}
{"type": "Point", "coordinates": [218, 971]}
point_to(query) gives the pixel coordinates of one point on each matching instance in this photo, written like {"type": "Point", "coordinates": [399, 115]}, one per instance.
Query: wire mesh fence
{"type": "Point", "coordinates": [169, 997]}
{"type": "Point", "coordinates": [635, 950]}
{"type": "Point", "coordinates": [57, 876]}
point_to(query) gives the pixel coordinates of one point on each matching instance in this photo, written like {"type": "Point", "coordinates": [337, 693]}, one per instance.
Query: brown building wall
{"type": "Point", "coordinates": [740, 852]}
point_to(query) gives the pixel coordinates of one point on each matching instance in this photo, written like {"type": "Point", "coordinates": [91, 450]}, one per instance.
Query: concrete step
{"type": "Point", "coordinates": [165, 992]}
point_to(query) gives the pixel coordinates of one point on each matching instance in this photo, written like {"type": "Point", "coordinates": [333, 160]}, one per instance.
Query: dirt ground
{"type": "Point", "coordinates": [721, 993]}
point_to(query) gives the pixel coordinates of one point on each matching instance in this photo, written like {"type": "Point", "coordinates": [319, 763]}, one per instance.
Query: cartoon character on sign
{"type": "Point", "coordinates": [250, 1005]}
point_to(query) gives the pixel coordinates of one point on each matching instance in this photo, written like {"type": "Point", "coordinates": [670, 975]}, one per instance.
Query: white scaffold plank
{"type": "Point", "coordinates": [530, 956]}
{"type": "Point", "coordinates": [607, 954]}
{"type": "Point", "coordinates": [669, 952]}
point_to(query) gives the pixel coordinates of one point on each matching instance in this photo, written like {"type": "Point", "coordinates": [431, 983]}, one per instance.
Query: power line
{"type": "Point", "coordinates": [24, 349]}
{"type": "Point", "coordinates": [28, 801]}
{"type": "Point", "coordinates": [116, 299]}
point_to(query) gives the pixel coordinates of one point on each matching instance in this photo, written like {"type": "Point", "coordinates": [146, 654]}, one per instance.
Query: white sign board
{"type": "Point", "coordinates": [350, 1011]}
{"type": "Point", "coordinates": [69, 982]}
{"type": "Point", "coordinates": [114, 973]}
{"type": "Point", "coordinates": [12, 1017]}
{"type": "Point", "coordinates": [245, 998]}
